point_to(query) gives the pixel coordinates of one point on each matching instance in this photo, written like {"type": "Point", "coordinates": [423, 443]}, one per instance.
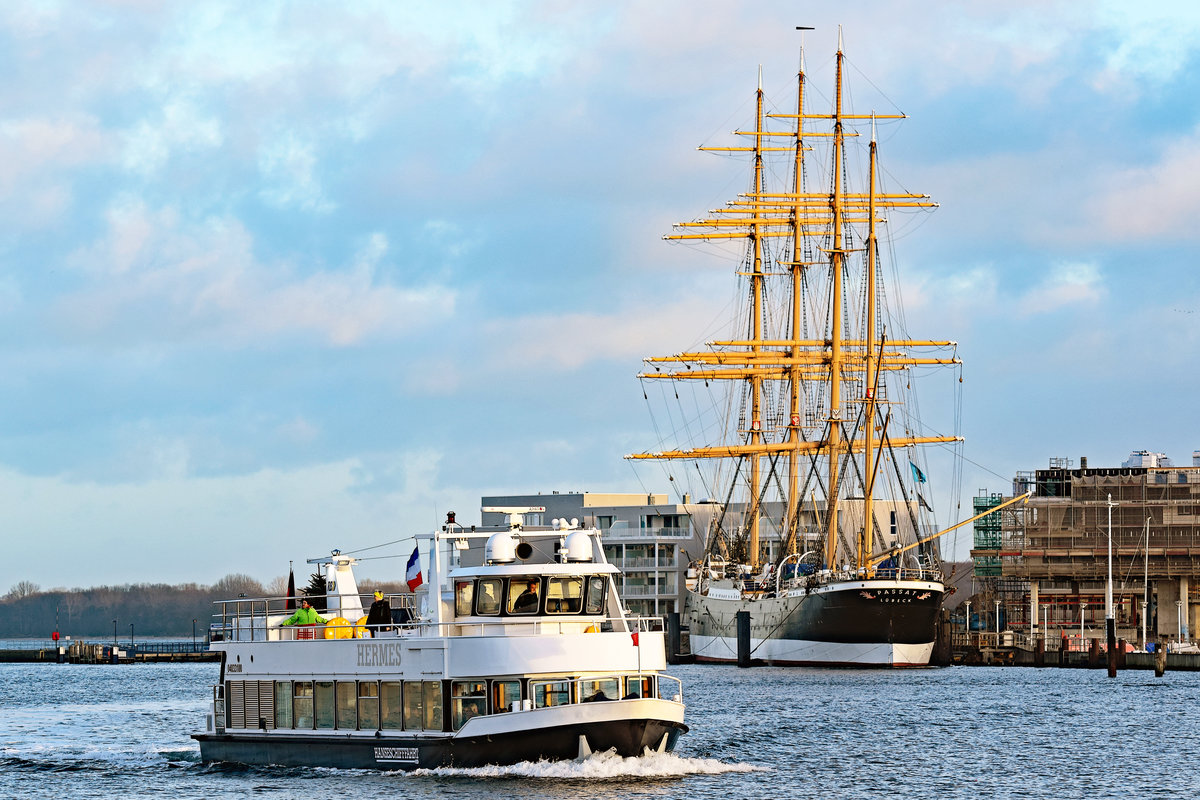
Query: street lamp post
{"type": "Point", "coordinates": [1110, 621]}
{"type": "Point", "coordinates": [1082, 608]}
{"type": "Point", "coordinates": [193, 636]}
{"type": "Point", "coordinates": [1045, 623]}
{"type": "Point", "coordinates": [997, 622]}
{"type": "Point", "coordinates": [1179, 620]}
{"type": "Point", "coordinates": [968, 618]}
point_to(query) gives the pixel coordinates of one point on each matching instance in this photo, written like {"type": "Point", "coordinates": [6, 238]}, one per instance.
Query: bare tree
{"type": "Point", "coordinates": [22, 589]}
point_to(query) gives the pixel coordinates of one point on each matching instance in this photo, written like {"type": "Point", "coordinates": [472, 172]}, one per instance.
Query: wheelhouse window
{"type": "Point", "coordinates": [468, 699]}
{"type": "Point", "coordinates": [504, 695]}
{"type": "Point", "coordinates": [524, 595]}
{"type": "Point", "coordinates": [487, 601]}
{"type": "Point", "coordinates": [463, 592]}
{"type": "Point", "coordinates": [595, 595]}
{"type": "Point", "coordinates": [564, 595]}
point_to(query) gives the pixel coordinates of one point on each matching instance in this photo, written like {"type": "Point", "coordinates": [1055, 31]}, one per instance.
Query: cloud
{"type": "Point", "coordinates": [39, 157]}
{"type": "Point", "coordinates": [1158, 200]}
{"type": "Point", "coordinates": [288, 168]}
{"type": "Point", "coordinates": [571, 340]}
{"type": "Point", "coordinates": [1066, 284]}
{"type": "Point", "coordinates": [184, 528]}
{"type": "Point", "coordinates": [156, 276]}
{"type": "Point", "coordinates": [179, 126]}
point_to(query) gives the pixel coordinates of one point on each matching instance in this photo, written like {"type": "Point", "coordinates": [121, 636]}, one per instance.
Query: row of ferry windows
{"type": "Point", "coordinates": [409, 705]}
{"type": "Point", "coordinates": [492, 597]}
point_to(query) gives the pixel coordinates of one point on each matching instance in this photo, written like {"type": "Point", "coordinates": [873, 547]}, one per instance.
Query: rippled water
{"type": "Point", "coordinates": [118, 731]}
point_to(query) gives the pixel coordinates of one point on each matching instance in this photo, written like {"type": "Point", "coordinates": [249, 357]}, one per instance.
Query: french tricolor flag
{"type": "Point", "coordinates": [413, 573]}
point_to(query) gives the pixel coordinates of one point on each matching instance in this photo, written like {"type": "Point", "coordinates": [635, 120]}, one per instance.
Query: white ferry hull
{"type": "Point", "coordinates": [863, 623]}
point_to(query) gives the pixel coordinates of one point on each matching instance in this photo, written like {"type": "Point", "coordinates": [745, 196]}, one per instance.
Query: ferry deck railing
{"type": "Point", "coordinates": [259, 620]}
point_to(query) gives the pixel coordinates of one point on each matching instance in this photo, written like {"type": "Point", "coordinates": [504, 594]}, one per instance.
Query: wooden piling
{"type": "Point", "coordinates": [673, 637]}
{"type": "Point", "coordinates": [743, 638]}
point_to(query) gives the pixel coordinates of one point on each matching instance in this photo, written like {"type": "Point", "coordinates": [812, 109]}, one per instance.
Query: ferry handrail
{"type": "Point", "coordinates": [267, 626]}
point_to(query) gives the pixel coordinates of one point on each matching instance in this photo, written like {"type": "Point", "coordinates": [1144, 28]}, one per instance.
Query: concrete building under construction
{"type": "Point", "coordinates": [1041, 567]}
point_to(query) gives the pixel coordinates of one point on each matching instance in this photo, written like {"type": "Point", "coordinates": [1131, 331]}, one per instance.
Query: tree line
{"type": "Point", "coordinates": [152, 609]}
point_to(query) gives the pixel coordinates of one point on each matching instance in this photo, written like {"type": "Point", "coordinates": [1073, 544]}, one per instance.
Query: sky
{"type": "Point", "coordinates": [278, 278]}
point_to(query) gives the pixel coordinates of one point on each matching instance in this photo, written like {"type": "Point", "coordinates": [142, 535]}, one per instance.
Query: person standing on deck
{"type": "Point", "coordinates": [305, 615]}
{"type": "Point", "coordinates": [379, 618]}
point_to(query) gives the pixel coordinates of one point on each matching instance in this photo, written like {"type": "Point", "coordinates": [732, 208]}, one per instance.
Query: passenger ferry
{"type": "Point", "coordinates": [478, 674]}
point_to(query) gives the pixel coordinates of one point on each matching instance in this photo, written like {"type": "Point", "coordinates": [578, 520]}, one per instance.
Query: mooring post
{"type": "Point", "coordinates": [1111, 624]}
{"type": "Point", "coordinates": [743, 638]}
{"type": "Point", "coordinates": [1160, 657]}
{"type": "Point", "coordinates": [673, 637]}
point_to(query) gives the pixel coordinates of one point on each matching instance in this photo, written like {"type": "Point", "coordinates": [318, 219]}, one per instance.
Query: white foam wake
{"type": "Point", "coordinates": [599, 766]}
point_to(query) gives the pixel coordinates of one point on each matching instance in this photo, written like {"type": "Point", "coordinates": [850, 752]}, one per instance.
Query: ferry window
{"type": "Point", "coordinates": [368, 705]}
{"type": "Point", "coordinates": [523, 595]}
{"type": "Point", "coordinates": [641, 686]}
{"type": "Point", "coordinates": [593, 689]}
{"type": "Point", "coordinates": [323, 703]}
{"type": "Point", "coordinates": [595, 596]}
{"type": "Point", "coordinates": [488, 601]}
{"type": "Point", "coordinates": [391, 713]}
{"type": "Point", "coordinates": [412, 705]}
{"type": "Point", "coordinates": [463, 590]}
{"type": "Point", "coordinates": [550, 693]}
{"type": "Point", "coordinates": [564, 595]}
{"type": "Point", "coordinates": [468, 699]}
{"type": "Point", "coordinates": [302, 704]}
{"type": "Point", "coordinates": [432, 702]}
{"type": "Point", "coordinates": [283, 704]}
{"type": "Point", "coordinates": [504, 695]}
{"type": "Point", "coordinates": [347, 705]}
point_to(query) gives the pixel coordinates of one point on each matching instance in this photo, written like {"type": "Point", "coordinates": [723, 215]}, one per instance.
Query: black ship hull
{"type": "Point", "coordinates": [859, 623]}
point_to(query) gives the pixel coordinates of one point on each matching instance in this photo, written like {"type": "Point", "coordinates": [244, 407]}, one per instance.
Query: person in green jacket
{"type": "Point", "coordinates": [305, 615]}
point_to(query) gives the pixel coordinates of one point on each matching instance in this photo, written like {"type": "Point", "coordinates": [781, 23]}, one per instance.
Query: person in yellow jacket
{"type": "Point", "coordinates": [305, 615]}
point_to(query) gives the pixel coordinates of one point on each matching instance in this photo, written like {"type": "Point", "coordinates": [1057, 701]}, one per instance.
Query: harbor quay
{"type": "Point", "coordinates": [80, 652]}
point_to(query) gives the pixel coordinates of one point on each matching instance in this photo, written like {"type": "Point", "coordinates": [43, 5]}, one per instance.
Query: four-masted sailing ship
{"type": "Point", "coordinates": [820, 522]}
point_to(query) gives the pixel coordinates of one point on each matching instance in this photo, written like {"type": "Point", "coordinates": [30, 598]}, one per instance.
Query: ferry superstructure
{"type": "Point", "coordinates": [479, 676]}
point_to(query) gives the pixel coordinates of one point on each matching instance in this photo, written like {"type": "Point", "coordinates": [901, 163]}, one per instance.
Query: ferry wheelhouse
{"type": "Point", "coordinates": [526, 655]}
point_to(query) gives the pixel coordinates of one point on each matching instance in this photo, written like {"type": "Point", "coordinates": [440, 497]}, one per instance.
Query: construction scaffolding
{"type": "Point", "coordinates": [1049, 557]}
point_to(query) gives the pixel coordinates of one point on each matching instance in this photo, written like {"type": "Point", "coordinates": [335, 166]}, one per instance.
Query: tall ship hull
{"type": "Point", "coordinates": [855, 623]}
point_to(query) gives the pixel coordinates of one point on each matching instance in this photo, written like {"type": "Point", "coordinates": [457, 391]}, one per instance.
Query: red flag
{"type": "Point", "coordinates": [635, 638]}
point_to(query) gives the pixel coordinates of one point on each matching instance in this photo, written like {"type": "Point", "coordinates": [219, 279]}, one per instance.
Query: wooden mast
{"type": "Point", "coordinates": [865, 540]}
{"type": "Point", "coordinates": [836, 263]}
{"type": "Point", "coordinates": [756, 317]}
{"type": "Point", "coordinates": [797, 270]}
